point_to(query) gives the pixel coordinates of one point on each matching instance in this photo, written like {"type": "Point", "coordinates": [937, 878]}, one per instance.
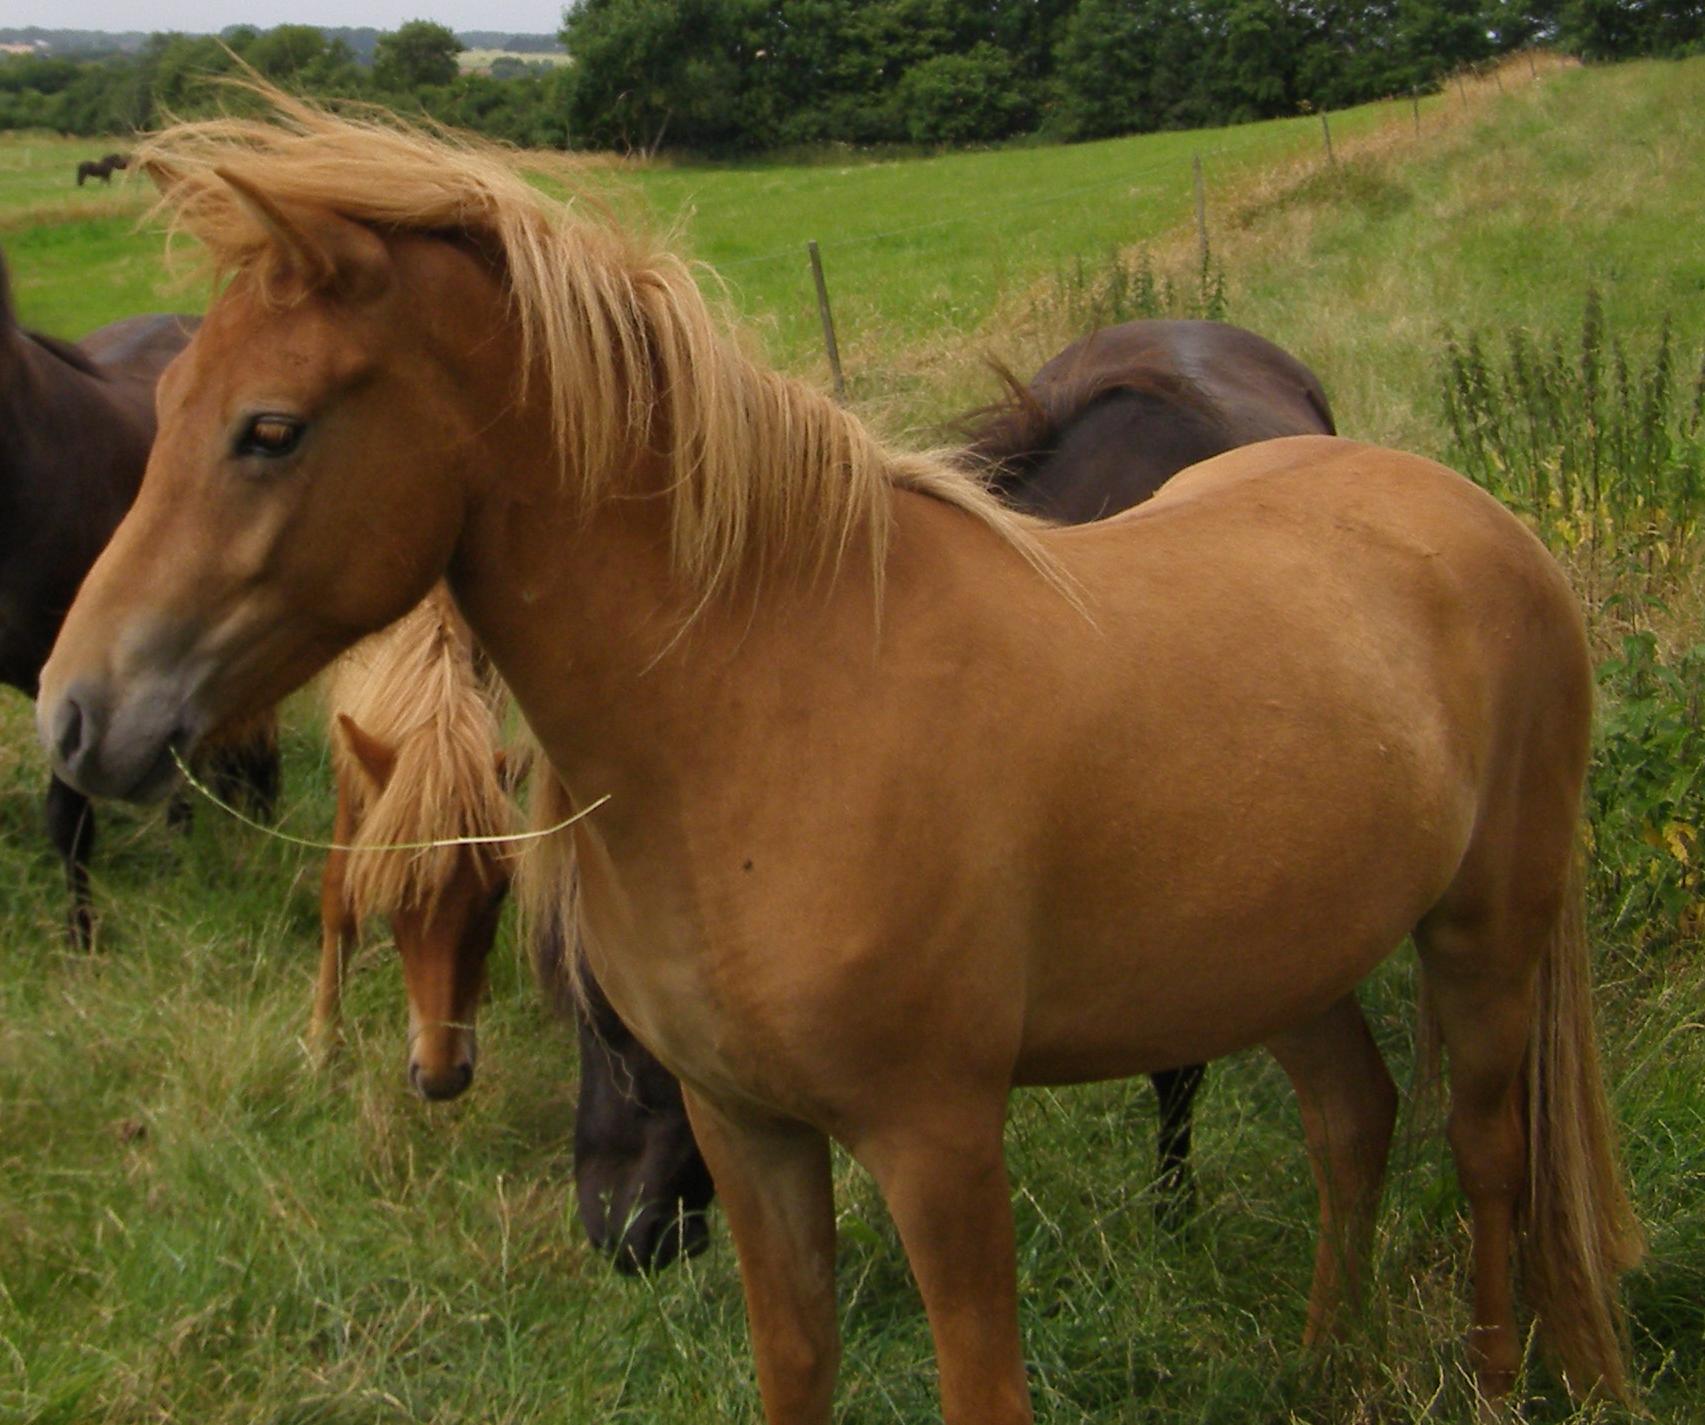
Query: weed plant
{"type": "Point", "coordinates": [1602, 449]}
{"type": "Point", "coordinates": [1125, 287]}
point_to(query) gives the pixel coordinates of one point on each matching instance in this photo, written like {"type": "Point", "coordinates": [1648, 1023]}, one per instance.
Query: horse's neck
{"type": "Point", "coordinates": [57, 406]}
{"type": "Point", "coordinates": [617, 669]}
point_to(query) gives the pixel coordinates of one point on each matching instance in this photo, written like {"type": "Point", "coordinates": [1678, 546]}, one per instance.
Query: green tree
{"type": "Point", "coordinates": [1439, 36]}
{"type": "Point", "coordinates": [961, 98]}
{"type": "Point", "coordinates": [694, 72]}
{"type": "Point", "coordinates": [1125, 66]}
{"type": "Point", "coordinates": [285, 51]}
{"type": "Point", "coordinates": [414, 56]}
{"type": "Point", "coordinates": [1257, 60]}
{"type": "Point", "coordinates": [1621, 29]}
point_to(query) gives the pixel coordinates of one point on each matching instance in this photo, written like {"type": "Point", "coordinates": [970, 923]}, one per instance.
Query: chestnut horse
{"type": "Point", "coordinates": [912, 798]}
{"type": "Point", "coordinates": [1098, 429]}
{"type": "Point", "coordinates": [75, 426]}
{"type": "Point", "coordinates": [417, 757]}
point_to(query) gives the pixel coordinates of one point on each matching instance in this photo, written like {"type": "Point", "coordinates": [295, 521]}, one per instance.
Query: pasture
{"type": "Point", "coordinates": [196, 1225]}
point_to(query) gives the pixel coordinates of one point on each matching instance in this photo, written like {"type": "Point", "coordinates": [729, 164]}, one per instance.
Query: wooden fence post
{"type": "Point", "coordinates": [1415, 104]}
{"type": "Point", "coordinates": [1201, 210]}
{"type": "Point", "coordinates": [828, 321]}
{"type": "Point", "coordinates": [1326, 129]}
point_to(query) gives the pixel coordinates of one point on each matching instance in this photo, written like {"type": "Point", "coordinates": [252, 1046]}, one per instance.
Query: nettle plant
{"type": "Point", "coordinates": [1602, 449]}
{"type": "Point", "coordinates": [1124, 287]}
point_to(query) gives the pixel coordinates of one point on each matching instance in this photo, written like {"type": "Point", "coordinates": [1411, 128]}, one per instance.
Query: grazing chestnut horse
{"type": "Point", "coordinates": [417, 756]}
{"type": "Point", "coordinates": [75, 426]}
{"type": "Point", "coordinates": [911, 798]}
{"type": "Point", "coordinates": [1099, 428]}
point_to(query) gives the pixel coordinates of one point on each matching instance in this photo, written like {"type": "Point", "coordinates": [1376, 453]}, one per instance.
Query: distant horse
{"type": "Point", "coordinates": [912, 798]}
{"type": "Point", "coordinates": [102, 168]}
{"type": "Point", "coordinates": [418, 758]}
{"type": "Point", "coordinates": [75, 426]}
{"type": "Point", "coordinates": [1099, 428]}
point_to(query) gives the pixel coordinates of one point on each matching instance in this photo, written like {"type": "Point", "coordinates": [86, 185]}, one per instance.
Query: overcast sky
{"type": "Point", "coordinates": [532, 17]}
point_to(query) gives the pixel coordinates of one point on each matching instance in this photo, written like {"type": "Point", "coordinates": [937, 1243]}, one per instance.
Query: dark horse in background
{"type": "Point", "coordinates": [1100, 428]}
{"type": "Point", "coordinates": [102, 168]}
{"type": "Point", "coordinates": [76, 423]}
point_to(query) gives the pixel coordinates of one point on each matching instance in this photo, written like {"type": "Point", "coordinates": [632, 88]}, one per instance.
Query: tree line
{"type": "Point", "coordinates": [413, 67]}
{"type": "Point", "coordinates": [742, 76]}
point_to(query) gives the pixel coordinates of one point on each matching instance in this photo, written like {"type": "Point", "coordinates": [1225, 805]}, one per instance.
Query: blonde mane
{"type": "Point", "coordinates": [547, 892]}
{"type": "Point", "coordinates": [418, 688]}
{"type": "Point", "coordinates": [761, 470]}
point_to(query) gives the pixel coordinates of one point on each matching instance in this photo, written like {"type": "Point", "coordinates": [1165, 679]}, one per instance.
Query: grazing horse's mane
{"type": "Point", "coordinates": [1024, 423]}
{"type": "Point", "coordinates": [760, 469]}
{"type": "Point", "coordinates": [418, 687]}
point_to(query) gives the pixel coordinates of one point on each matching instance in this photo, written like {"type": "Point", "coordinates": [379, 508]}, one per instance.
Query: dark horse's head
{"type": "Point", "coordinates": [641, 1184]}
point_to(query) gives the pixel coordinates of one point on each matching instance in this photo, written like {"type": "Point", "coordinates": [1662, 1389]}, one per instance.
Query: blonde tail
{"type": "Point", "coordinates": [1581, 1232]}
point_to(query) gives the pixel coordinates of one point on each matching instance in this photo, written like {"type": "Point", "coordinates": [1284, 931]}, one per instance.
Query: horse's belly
{"type": "Point", "coordinates": [1131, 1017]}
{"type": "Point", "coordinates": [1248, 927]}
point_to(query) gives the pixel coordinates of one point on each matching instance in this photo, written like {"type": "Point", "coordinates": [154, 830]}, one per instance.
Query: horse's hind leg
{"type": "Point", "coordinates": [1348, 1105]}
{"type": "Point", "coordinates": [1481, 975]}
{"type": "Point", "coordinates": [944, 1180]}
{"type": "Point", "coordinates": [774, 1180]}
{"type": "Point", "coordinates": [71, 826]}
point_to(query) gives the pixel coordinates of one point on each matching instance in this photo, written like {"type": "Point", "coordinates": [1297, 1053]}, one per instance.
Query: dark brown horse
{"type": "Point", "coordinates": [75, 426]}
{"type": "Point", "coordinates": [1100, 428]}
{"type": "Point", "coordinates": [1106, 422]}
{"type": "Point", "coordinates": [102, 168]}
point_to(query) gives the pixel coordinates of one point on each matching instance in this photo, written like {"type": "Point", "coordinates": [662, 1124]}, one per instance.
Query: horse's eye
{"type": "Point", "coordinates": [270, 435]}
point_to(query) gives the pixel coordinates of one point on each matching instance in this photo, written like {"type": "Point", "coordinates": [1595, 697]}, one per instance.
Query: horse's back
{"type": "Point", "coordinates": [1307, 517]}
{"type": "Point", "coordinates": [1256, 389]}
{"type": "Point", "coordinates": [139, 348]}
{"type": "Point", "coordinates": [1273, 774]}
{"type": "Point", "coordinates": [1113, 416]}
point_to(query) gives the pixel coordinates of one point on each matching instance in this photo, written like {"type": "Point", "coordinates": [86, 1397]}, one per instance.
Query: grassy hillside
{"type": "Point", "coordinates": [910, 246]}
{"type": "Point", "coordinates": [196, 1225]}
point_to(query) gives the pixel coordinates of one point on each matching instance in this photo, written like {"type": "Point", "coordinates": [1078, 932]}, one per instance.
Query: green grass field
{"type": "Point", "coordinates": [197, 1226]}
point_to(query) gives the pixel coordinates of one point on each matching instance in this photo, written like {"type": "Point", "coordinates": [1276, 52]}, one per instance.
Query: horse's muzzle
{"type": "Point", "coordinates": [123, 750]}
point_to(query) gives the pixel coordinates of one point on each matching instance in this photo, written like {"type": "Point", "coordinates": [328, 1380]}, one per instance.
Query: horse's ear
{"type": "Point", "coordinates": [321, 249]}
{"type": "Point", "coordinates": [377, 759]}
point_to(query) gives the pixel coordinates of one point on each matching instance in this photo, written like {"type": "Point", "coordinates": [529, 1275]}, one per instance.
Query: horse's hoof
{"type": "Point", "coordinates": [323, 1043]}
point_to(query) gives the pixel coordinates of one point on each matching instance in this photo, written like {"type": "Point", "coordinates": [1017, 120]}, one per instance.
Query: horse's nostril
{"type": "Point", "coordinates": [448, 1084]}
{"type": "Point", "coordinates": [67, 732]}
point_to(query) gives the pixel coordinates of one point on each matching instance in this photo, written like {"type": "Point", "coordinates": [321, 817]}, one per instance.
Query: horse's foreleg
{"type": "Point", "coordinates": [775, 1184]}
{"type": "Point", "coordinates": [1349, 1106]}
{"type": "Point", "coordinates": [337, 934]}
{"type": "Point", "coordinates": [71, 827]}
{"type": "Point", "coordinates": [944, 1180]}
{"type": "Point", "coordinates": [1175, 1092]}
